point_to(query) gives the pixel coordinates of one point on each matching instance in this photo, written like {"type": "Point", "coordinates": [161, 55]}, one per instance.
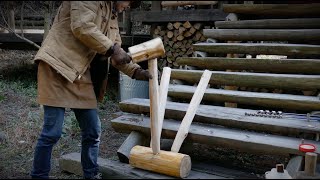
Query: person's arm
{"type": "Point", "coordinates": [134, 71]}
{"type": "Point", "coordinates": [83, 14]}
{"type": "Point", "coordinates": [128, 69]}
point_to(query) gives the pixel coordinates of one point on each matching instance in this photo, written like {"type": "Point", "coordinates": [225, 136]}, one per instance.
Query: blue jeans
{"type": "Point", "coordinates": [90, 126]}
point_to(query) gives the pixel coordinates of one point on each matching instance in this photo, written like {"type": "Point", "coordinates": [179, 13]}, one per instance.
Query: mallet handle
{"type": "Point", "coordinates": [154, 105]}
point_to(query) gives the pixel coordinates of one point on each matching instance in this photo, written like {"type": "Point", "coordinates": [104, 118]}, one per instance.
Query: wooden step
{"type": "Point", "coordinates": [216, 136]}
{"type": "Point", "coordinates": [291, 35]}
{"type": "Point", "coordinates": [298, 10]}
{"type": "Point", "coordinates": [111, 169]}
{"type": "Point", "coordinates": [269, 100]}
{"type": "Point", "coordinates": [263, 80]}
{"type": "Point", "coordinates": [297, 66]}
{"type": "Point", "coordinates": [258, 48]}
{"type": "Point", "coordinates": [293, 23]}
{"type": "Point", "coordinates": [225, 116]}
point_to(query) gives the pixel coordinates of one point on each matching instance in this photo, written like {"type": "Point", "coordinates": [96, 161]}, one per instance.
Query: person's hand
{"type": "Point", "coordinates": [141, 74]}
{"type": "Point", "coordinates": [119, 56]}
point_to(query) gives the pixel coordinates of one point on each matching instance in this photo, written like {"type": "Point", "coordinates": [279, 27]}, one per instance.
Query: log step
{"type": "Point", "coordinates": [225, 116]}
{"type": "Point", "coordinates": [306, 66]}
{"type": "Point", "coordinates": [293, 23]}
{"type": "Point", "coordinates": [264, 80]}
{"type": "Point", "coordinates": [291, 35]}
{"type": "Point", "coordinates": [216, 136]}
{"type": "Point", "coordinates": [111, 169]}
{"type": "Point", "coordinates": [198, 15]}
{"type": "Point", "coordinates": [274, 9]}
{"type": "Point", "coordinates": [258, 48]}
{"type": "Point", "coordinates": [269, 100]}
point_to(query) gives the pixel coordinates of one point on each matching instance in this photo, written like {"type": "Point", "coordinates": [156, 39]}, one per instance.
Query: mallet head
{"type": "Point", "coordinates": [148, 50]}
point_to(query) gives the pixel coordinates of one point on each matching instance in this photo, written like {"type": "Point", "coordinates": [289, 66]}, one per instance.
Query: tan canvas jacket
{"type": "Point", "coordinates": [79, 31]}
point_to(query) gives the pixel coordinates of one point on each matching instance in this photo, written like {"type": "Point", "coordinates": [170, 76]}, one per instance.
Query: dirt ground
{"type": "Point", "coordinates": [20, 125]}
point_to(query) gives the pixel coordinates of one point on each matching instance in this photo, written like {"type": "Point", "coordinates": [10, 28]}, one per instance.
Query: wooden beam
{"type": "Point", "coordinates": [274, 9]}
{"type": "Point", "coordinates": [293, 35]}
{"type": "Point", "coordinates": [183, 3]}
{"type": "Point", "coordinates": [225, 116]}
{"type": "Point", "coordinates": [293, 23]}
{"type": "Point", "coordinates": [217, 136]}
{"type": "Point", "coordinates": [266, 80]}
{"type": "Point", "coordinates": [11, 38]}
{"type": "Point", "coordinates": [200, 15]}
{"type": "Point", "coordinates": [258, 48]}
{"type": "Point", "coordinates": [269, 100]}
{"type": "Point", "coordinates": [38, 37]}
{"type": "Point", "coordinates": [296, 66]}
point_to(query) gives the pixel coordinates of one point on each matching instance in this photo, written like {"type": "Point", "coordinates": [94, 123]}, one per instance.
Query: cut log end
{"type": "Point", "coordinates": [165, 162]}
{"type": "Point", "coordinates": [185, 166]}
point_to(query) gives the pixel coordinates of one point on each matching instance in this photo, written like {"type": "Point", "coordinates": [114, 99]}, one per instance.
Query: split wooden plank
{"type": "Point", "coordinates": [269, 100]}
{"type": "Point", "coordinates": [293, 35]}
{"type": "Point", "coordinates": [193, 106]}
{"type": "Point", "coordinates": [296, 66]}
{"type": "Point", "coordinates": [229, 117]}
{"type": "Point", "coordinates": [266, 80]}
{"type": "Point", "coordinates": [163, 94]}
{"type": "Point", "coordinates": [293, 23]}
{"type": "Point", "coordinates": [217, 136]}
{"type": "Point", "coordinates": [258, 48]}
{"type": "Point", "coordinates": [310, 9]}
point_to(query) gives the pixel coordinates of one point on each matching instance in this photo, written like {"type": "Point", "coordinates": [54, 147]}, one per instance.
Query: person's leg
{"type": "Point", "coordinates": [51, 133]}
{"type": "Point", "coordinates": [90, 125]}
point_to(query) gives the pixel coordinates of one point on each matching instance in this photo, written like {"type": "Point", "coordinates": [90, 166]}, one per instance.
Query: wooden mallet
{"type": "Point", "coordinates": [153, 159]}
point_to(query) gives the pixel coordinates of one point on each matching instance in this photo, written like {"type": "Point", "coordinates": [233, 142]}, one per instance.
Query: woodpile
{"type": "Point", "coordinates": [178, 38]}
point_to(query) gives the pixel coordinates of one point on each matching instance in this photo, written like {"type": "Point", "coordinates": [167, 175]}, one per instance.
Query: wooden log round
{"type": "Point", "coordinates": [165, 162]}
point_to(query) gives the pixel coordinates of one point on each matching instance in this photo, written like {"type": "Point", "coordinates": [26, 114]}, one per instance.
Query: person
{"type": "Point", "coordinates": [83, 32]}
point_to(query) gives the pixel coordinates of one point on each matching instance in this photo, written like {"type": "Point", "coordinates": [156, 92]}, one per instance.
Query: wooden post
{"type": "Point", "coordinates": [192, 109]}
{"type": "Point", "coordinates": [310, 164]}
{"type": "Point", "coordinates": [47, 17]}
{"type": "Point", "coordinates": [231, 17]}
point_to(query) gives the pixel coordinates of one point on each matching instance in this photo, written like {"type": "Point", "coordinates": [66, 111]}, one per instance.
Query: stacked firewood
{"type": "Point", "coordinates": [178, 38]}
